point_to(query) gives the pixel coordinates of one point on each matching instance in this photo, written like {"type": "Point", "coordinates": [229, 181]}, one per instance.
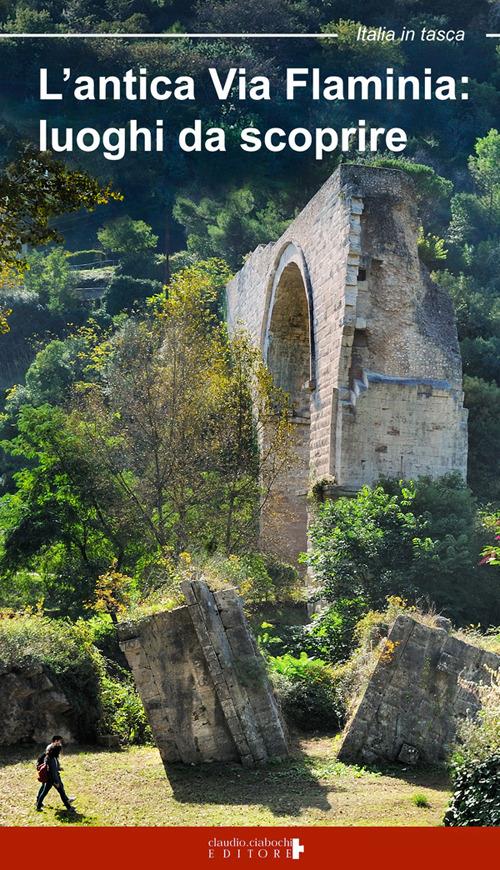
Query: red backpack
{"type": "Point", "coordinates": [43, 770]}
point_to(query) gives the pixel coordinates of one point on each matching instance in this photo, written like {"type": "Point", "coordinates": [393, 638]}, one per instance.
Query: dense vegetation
{"type": "Point", "coordinates": [75, 657]}
{"type": "Point", "coordinates": [476, 766]}
{"type": "Point", "coordinates": [155, 453]}
{"type": "Point", "coordinates": [422, 542]}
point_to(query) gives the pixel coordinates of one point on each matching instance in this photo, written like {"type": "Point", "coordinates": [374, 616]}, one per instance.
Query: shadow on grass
{"type": "Point", "coordinates": [284, 787]}
{"type": "Point", "coordinates": [19, 755]}
{"type": "Point", "coordinates": [288, 787]}
{"type": "Point", "coordinates": [75, 818]}
{"type": "Point", "coordinates": [432, 776]}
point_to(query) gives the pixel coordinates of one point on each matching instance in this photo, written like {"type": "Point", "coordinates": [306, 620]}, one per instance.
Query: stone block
{"type": "Point", "coordinates": [32, 707]}
{"type": "Point", "coordinates": [410, 710]}
{"type": "Point", "coordinates": [203, 682]}
{"type": "Point", "coordinates": [408, 754]}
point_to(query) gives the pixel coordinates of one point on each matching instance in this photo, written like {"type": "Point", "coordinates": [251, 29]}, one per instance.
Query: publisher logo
{"type": "Point", "coordinates": [258, 848]}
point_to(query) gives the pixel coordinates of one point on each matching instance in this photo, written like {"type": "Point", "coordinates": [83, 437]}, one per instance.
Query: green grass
{"type": "Point", "coordinates": [130, 787]}
{"type": "Point", "coordinates": [420, 800]}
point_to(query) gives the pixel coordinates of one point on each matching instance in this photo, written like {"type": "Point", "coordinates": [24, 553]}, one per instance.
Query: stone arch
{"type": "Point", "coordinates": [290, 260]}
{"type": "Point", "coordinates": [289, 350]}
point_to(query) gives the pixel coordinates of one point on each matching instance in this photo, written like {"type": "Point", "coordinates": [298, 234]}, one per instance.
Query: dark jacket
{"type": "Point", "coordinates": [51, 756]}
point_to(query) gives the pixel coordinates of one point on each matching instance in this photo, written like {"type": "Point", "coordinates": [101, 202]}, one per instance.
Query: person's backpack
{"type": "Point", "coordinates": [42, 768]}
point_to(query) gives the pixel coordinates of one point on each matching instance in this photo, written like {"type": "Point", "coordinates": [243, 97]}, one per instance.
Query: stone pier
{"type": "Point", "coordinates": [423, 686]}
{"type": "Point", "coordinates": [352, 327]}
{"type": "Point", "coordinates": [203, 681]}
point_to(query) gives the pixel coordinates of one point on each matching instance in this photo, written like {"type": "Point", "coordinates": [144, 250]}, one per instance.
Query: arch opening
{"type": "Point", "coordinates": [284, 524]}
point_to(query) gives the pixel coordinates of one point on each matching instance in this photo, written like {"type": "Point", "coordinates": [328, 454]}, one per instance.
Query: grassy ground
{"type": "Point", "coordinates": [129, 787]}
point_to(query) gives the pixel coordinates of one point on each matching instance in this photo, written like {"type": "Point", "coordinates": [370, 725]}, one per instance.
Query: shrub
{"type": "Point", "coordinates": [127, 237]}
{"type": "Point", "coordinates": [103, 634]}
{"type": "Point", "coordinates": [260, 579]}
{"type": "Point", "coordinates": [431, 249]}
{"type": "Point", "coordinates": [125, 291]}
{"type": "Point", "coordinates": [252, 578]}
{"type": "Point", "coordinates": [420, 540]}
{"type": "Point", "coordinates": [284, 577]}
{"type": "Point", "coordinates": [330, 635]}
{"type": "Point", "coordinates": [69, 657]}
{"type": "Point", "coordinates": [308, 691]}
{"type": "Point", "coordinates": [475, 800]}
{"type": "Point", "coordinates": [100, 703]}
{"type": "Point", "coordinates": [333, 630]}
{"type": "Point", "coordinates": [122, 711]}
{"type": "Point", "coordinates": [279, 640]}
{"type": "Point", "coordinates": [51, 279]}
{"type": "Point", "coordinates": [420, 800]}
{"type": "Point", "coordinates": [476, 765]}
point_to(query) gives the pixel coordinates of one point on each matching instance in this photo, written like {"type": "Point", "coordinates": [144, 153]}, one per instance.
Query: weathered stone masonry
{"type": "Point", "coordinates": [203, 682]}
{"type": "Point", "coordinates": [422, 687]}
{"type": "Point", "coordinates": [32, 706]}
{"type": "Point", "coordinates": [353, 328]}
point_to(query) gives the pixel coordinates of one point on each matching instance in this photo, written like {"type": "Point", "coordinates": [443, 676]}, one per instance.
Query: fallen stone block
{"type": "Point", "coordinates": [422, 686]}
{"type": "Point", "coordinates": [203, 681]}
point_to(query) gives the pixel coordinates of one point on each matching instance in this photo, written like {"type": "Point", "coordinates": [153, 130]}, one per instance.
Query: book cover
{"type": "Point", "coordinates": [249, 434]}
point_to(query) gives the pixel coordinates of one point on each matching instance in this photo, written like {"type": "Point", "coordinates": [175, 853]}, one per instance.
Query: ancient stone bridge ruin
{"type": "Point", "coordinates": [207, 696]}
{"type": "Point", "coordinates": [364, 342]}
{"type": "Point", "coordinates": [424, 684]}
{"type": "Point", "coordinates": [203, 681]}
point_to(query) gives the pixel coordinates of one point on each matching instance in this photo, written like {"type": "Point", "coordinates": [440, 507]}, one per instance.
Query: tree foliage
{"type": "Point", "coordinates": [50, 279]}
{"type": "Point", "coordinates": [157, 451]}
{"type": "Point", "coordinates": [231, 227]}
{"type": "Point", "coordinates": [420, 541]}
{"type": "Point", "coordinates": [126, 236]}
{"type": "Point", "coordinates": [33, 189]}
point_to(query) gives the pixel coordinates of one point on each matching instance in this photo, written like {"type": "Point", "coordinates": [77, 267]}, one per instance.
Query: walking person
{"type": "Point", "coordinates": [51, 759]}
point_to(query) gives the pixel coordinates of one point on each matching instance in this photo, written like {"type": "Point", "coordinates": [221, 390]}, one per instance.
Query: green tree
{"type": "Point", "coordinates": [66, 520]}
{"type": "Point", "coordinates": [485, 165]}
{"type": "Point", "coordinates": [477, 308]}
{"type": "Point", "coordinates": [473, 218]}
{"type": "Point", "coordinates": [157, 452]}
{"type": "Point", "coordinates": [476, 217]}
{"type": "Point", "coordinates": [53, 372]}
{"type": "Point", "coordinates": [136, 278]}
{"type": "Point", "coordinates": [174, 408]}
{"type": "Point", "coordinates": [34, 189]}
{"type": "Point", "coordinates": [127, 237]}
{"type": "Point", "coordinates": [475, 290]}
{"type": "Point", "coordinates": [420, 542]}
{"type": "Point", "coordinates": [481, 357]}
{"type": "Point", "coordinates": [483, 401]}
{"type": "Point", "coordinates": [229, 228]}
{"type": "Point", "coordinates": [50, 278]}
